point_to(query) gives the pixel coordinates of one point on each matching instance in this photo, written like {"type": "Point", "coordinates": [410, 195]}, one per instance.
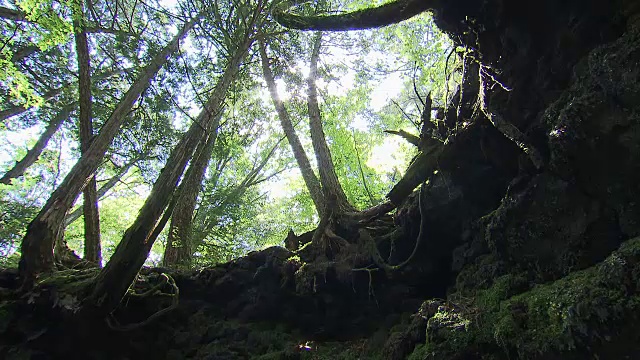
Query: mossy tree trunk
{"type": "Point", "coordinates": [47, 227]}
{"type": "Point", "coordinates": [132, 251]}
{"type": "Point", "coordinates": [383, 15]}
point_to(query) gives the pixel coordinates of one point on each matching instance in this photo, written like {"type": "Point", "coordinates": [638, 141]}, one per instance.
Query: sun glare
{"type": "Point", "coordinates": [387, 156]}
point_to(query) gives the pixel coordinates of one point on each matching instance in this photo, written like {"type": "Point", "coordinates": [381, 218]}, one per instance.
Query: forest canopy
{"type": "Point", "coordinates": [201, 124]}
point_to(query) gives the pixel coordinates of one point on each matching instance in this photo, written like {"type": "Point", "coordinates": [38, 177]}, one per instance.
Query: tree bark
{"type": "Point", "coordinates": [34, 153]}
{"type": "Point", "coordinates": [75, 214]}
{"type": "Point", "coordinates": [425, 163]}
{"type": "Point", "coordinates": [383, 15]}
{"type": "Point", "coordinates": [37, 244]}
{"type": "Point", "coordinates": [92, 249]}
{"type": "Point", "coordinates": [178, 250]}
{"type": "Point", "coordinates": [310, 179]}
{"type": "Point", "coordinates": [11, 14]}
{"type": "Point", "coordinates": [132, 251]}
{"type": "Point", "coordinates": [328, 177]}
{"type": "Point", "coordinates": [411, 139]}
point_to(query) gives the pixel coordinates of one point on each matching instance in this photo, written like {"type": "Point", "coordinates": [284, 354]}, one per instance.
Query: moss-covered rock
{"type": "Point", "coordinates": [577, 315]}
{"type": "Point", "coordinates": [552, 227]}
{"type": "Point", "coordinates": [594, 129]}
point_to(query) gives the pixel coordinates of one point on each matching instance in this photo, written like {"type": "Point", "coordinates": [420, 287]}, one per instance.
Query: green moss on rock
{"type": "Point", "coordinates": [577, 315]}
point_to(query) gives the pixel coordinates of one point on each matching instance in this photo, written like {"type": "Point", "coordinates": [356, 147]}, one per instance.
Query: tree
{"type": "Point", "coordinates": [104, 189]}
{"type": "Point", "coordinates": [229, 201]}
{"type": "Point", "coordinates": [383, 15]}
{"type": "Point", "coordinates": [92, 250]}
{"type": "Point", "coordinates": [310, 179]}
{"type": "Point", "coordinates": [32, 155]}
{"type": "Point", "coordinates": [46, 228]}
{"type": "Point", "coordinates": [178, 250]}
{"type": "Point", "coordinates": [328, 178]}
{"type": "Point", "coordinates": [132, 251]}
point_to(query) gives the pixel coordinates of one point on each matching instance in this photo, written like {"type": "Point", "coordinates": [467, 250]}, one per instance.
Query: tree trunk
{"type": "Point", "coordinates": [11, 14]}
{"type": "Point", "coordinates": [310, 179]}
{"type": "Point", "coordinates": [328, 177]}
{"type": "Point", "coordinates": [34, 153]}
{"type": "Point", "coordinates": [92, 250]}
{"type": "Point", "coordinates": [382, 15]}
{"type": "Point", "coordinates": [75, 214]}
{"type": "Point", "coordinates": [178, 249]}
{"type": "Point", "coordinates": [132, 251]}
{"type": "Point", "coordinates": [37, 245]}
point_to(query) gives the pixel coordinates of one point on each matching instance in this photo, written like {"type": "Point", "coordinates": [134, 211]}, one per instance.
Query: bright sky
{"type": "Point", "coordinates": [383, 157]}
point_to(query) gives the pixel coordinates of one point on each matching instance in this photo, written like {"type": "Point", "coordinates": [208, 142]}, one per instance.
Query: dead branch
{"type": "Point", "coordinates": [506, 128]}
{"type": "Point", "coordinates": [412, 139]}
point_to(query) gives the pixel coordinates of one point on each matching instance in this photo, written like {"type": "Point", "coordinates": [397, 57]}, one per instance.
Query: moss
{"type": "Point", "coordinates": [351, 350]}
{"type": "Point", "coordinates": [503, 288]}
{"type": "Point", "coordinates": [71, 281]}
{"type": "Point", "coordinates": [420, 352]}
{"type": "Point", "coordinates": [6, 315]}
{"type": "Point", "coordinates": [583, 310]}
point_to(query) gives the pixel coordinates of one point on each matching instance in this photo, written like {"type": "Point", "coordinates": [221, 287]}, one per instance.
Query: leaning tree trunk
{"type": "Point", "coordinates": [75, 214]}
{"type": "Point", "coordinates": [310, 179]}
{"type": "Point", "coordinates": [34, 153]}
{"type": "Point", "coordinates": [92, 249]}
{"type": "Point", "coordinates": [328, 177]}
{"type": "Point", "coordinates": [178, 248]}
{"type": "Point", "coordinates": [132, 251]}
{"type": "Point", "coordinates": [42, 232]}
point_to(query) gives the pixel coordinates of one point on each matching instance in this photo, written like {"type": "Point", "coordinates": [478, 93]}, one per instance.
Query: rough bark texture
{"type": "Point", "coordinates": [310, 179]}
{"type": "Point", "coordinates": [34, 153]}
{"type": "Point", "coordinates": [178, 250]}
{"type": "Point", "coordinates": [383, 15]}
{"type": "Point", "coordinates": [92, 249]}
{"type": "Point", "coordinates": [132, 251]}
{"type": "Point", "coordinates": [37, 244]}
{"type": "Point", "coordinates": [328, 177]}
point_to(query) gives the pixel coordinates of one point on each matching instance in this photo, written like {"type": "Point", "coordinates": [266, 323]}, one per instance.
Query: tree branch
{"type": "Point", "coordinates": [383, 15]}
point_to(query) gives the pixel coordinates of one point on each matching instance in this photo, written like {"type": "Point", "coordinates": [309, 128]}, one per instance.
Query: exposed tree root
{"type": "Point", "coordinates": [506, 128]}
{"type": "Point", "coordinates": [113, 323]}
{"type": "Point", "coordinates": [372, 247]}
